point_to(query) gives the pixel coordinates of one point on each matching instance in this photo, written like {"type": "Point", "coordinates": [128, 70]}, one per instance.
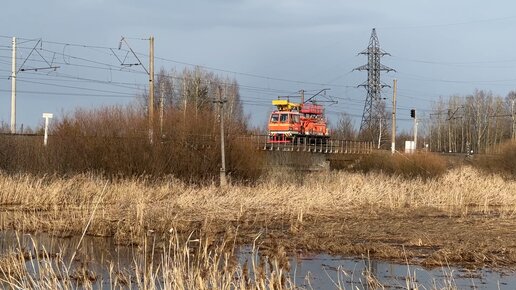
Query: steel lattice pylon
{"type": "Point", "coordinates": [374, 103]}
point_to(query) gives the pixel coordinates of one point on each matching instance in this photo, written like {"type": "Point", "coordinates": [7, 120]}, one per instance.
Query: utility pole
{"type": "Point", "coordinates": [184, 98]}
{"type": "Point", "coordinates": [439, 134]}
{"type": "Point", "coordinates": [413, 115]}
{"type": "Point", "coordinates": [415, 134]}
{"type": "Point", "coordinates": [462, 135]}
{"type": "Point", "coordinates": [302, 96]}
{"type": "Point", "coordinates": [161, 108]}
{"type": "Point", "coordinates": [449, 131]}
{"type": "Point", "coordinates": [150, 73]}
{"type": "Point", "coordinates": [513, 136]}
{"type": "Point", "coordinates": [151, 89]}
{"type": "Point", "coordinates": [221, 101]}
{"type": "Point", "coordinates": [394, 90]}
{"type": "Point", "coordinates": [13, 89]}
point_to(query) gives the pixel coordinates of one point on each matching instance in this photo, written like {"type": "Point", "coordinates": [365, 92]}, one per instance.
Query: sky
{"type": "Point", "coordinates": [271, 47]}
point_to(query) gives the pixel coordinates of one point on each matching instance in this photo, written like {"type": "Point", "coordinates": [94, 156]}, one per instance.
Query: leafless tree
{"type": "Point", "coordinates": [345, 129]}
{"type": "Point", "coordinates": [479, 122]}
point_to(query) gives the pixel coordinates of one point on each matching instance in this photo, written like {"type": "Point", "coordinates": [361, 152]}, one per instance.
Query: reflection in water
{"type": "Point", "coordinates": [307, 271]}
{"type": "Point", "coordinates": [370, 274]}
{"type": "Point", "coordinates": [331, 272]}
{"type": "Point", "coordinates": [96, 259]}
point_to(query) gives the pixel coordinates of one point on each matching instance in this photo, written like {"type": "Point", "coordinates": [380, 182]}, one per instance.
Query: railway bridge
{"type": "Point", "coordinates": [310, 154]}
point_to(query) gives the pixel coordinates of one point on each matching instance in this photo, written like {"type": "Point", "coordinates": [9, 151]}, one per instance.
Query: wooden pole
{"type": "Point", "coordinates": [223, 181]}
{"type": "Point", "coordinates": [151, 89]}
{"type": "Point", "coordinates": [13, 89]}
{"type": "Point", "coordinates": [393, 138]}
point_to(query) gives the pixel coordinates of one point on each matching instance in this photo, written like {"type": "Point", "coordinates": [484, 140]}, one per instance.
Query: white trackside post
{"type": "Point", "coordinates": [47, 117]}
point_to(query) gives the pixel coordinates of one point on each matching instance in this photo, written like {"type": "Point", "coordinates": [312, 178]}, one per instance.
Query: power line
{"type": "Point", "coordinates": [451, 23]}
{"type": "Point", "coordinates": [422, 78]}
{"type": "Point", "coordinates": [114, 68]}
{"type": "Point", "coordinates": [461, 64]}
{"type": "Point", "coordinates": [73, 94]}
{"type": "Point", "coordinates": [196, 65]}
{"type": "Point", "coordinates": [105, 67]}
{"type": "Point", "coordinates": [250, 74]}
{"type": "Point", "coordinates": [110, 66]}
{"type": "Point", "coordinates": [69, 78]}
{"type": "Point", "coordinates": [69, 87]}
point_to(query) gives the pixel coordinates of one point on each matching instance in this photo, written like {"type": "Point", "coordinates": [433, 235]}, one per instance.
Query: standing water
{"type": "Point", "coordinates": [100, 259]}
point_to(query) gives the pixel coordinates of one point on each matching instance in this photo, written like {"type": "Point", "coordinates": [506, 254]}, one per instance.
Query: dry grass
{"type": "Point", "coordinates": [503, 163]}
{"type": "Point", "coordinates": [420, 165]}
{"type": "Point", "coordinates": [177, 263]}
{"type": "Point", "coordinates": [180, 264]}
{"type": "Point", "coordinates": [141, 202]}
{"type": "Point", "coordinates": [331, 212]}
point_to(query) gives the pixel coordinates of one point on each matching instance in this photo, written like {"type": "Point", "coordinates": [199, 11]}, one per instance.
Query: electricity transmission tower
{"type": "Point", "coordinates": [374, 105]}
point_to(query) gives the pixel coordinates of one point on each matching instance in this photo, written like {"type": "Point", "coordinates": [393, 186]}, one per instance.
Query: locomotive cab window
{"type": "Point", "coordinates": [283, 118]}
{"type": "Point", "coordinates": [294, 118]}
{"type": "Point", "coordinates": [274, 118]}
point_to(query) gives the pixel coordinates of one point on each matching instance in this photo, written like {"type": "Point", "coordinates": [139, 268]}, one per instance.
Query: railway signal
{"type": "Point", "coordinates": [413, 116]}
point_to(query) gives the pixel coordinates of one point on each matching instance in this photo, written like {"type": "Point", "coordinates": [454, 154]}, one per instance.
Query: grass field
{"type": "Point", "coordinates": [428, 220]}
{"type": "Point", "coordinates": [457, 192]}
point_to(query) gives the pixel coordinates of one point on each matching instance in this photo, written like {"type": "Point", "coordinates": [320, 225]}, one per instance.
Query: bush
{"type": "Point", "coordinates": [113, 142]}
{"type": "Point", "coordinates": [503, 163]}
{"type": "Point", "coordinates": [422, 165]}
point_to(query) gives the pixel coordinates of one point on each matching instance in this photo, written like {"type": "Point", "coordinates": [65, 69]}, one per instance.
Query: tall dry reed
{"type": "Point", "coordinates": [180, 264]}
{"type": "Point", "coordinates": [420, 165]}
{"type": "Point", "coordinates": [503, 163]}
{"type": "Point", "coordinates": [136, 205]}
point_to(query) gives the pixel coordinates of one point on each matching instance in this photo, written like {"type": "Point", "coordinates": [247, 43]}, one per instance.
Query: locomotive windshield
{"type": "Point", "coordinates": [294, 119]}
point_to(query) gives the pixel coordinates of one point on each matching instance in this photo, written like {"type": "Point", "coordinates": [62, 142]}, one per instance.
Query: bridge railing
{"type": "Point", "coordinates": [311, 144]}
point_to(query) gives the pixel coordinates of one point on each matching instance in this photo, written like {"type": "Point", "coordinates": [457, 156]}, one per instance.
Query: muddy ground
{"type": "Point", "coordinates": [424, 236]}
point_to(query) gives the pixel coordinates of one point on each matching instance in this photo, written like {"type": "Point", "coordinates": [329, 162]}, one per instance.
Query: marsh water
{"type": "Point", "coordinates": [320, 271]}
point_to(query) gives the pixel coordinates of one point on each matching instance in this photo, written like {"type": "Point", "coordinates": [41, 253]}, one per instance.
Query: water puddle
{"type": "Point", "coordinates": [327, 272]}
{"type": "Point", "coordinates": [103, 260]}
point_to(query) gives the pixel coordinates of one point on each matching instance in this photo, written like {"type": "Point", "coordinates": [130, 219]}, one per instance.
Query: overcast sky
{"type": "Point", "coordinates": [438, 48]}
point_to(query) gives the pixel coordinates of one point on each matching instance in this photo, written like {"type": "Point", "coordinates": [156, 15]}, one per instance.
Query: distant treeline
{"type": "Point", "coordinates": [479, 122]}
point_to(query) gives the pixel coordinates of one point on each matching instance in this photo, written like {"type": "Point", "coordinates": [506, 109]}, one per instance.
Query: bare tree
{"type": "Point", "coordinates": [477, 122]}
{"type": "Point", "coordinates": [345, 128]}
{"type": "Point", "coordinates": [164, 84]}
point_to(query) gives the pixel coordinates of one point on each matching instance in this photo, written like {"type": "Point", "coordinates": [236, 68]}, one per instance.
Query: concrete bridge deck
{"type": "Point", "coordinates": [315, 145]}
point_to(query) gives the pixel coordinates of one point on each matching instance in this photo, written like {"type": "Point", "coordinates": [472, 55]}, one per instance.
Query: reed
{"type": "Point", "coordinates": [148, 204]}
{"type": "Point", "coordinates": [503, 163]}
{"type": "Point", "coordinates": [178, 262]}
{"type": "Point", "coordinates": [420, 165]}
{"type": "Point", "coordinates": [311, 211]}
